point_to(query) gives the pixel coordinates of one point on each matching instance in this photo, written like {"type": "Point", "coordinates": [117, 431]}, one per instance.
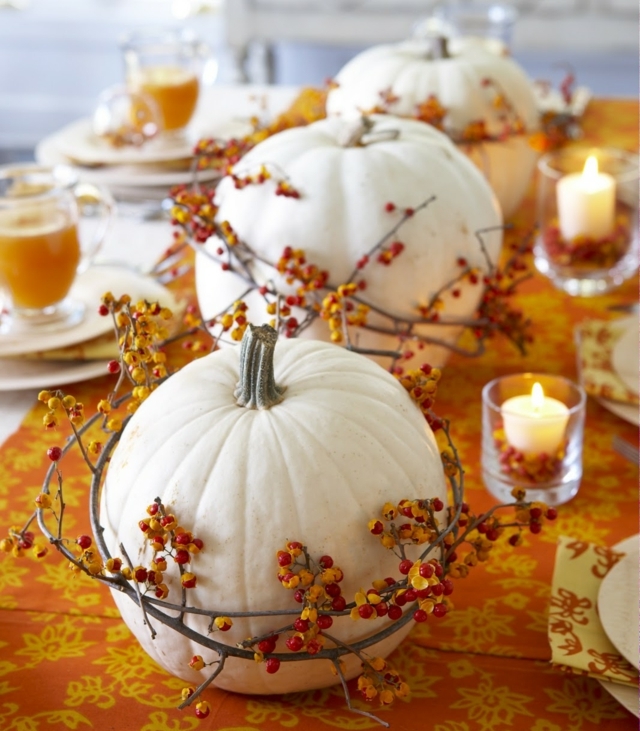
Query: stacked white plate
{"type": "Point", "coordinates": [624, 360]}
{"type": "Point", "coordinates": [147, 172]}
{"type": "Point", "coordinates": [21, 366]}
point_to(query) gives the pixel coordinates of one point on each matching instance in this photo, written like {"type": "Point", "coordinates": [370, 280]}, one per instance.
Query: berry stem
{"type": "Point", "coordinates": [207, 682]}
{"type": "Point", "coordinates": [257, 387]}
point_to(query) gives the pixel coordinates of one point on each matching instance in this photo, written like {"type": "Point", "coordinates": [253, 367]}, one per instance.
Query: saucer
{"type": "Point", "coordinates": [89, 288]}
{"type": "Point", "coordinates": [18, 375]}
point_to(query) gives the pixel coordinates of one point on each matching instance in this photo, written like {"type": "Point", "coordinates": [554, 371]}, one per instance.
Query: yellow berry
{"type": "Point", "coordinates": [53, 403]}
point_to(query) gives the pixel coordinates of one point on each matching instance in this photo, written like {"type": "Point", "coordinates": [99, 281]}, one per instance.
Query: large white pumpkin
{"type": "Point", "coordinates": [315, 467]}
{"type": "Point", "coordinates": [341, 215]}
{"type": "Point", "coordinates": [410, 72]}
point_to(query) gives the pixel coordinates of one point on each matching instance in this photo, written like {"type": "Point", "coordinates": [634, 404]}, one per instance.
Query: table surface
{"type": "Point", "coordinates": [68, 661]}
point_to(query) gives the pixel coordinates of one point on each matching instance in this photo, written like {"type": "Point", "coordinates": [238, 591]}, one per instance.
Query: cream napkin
{"type": "Point", "coordinates": [596, 341]}
{"type": "Point", "coordinates": [579, 644]}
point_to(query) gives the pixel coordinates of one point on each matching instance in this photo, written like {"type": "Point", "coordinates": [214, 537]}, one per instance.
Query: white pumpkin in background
{"type": "Point", "coordinates": [412, 71]}
{"type": "Point", "coordinates": [341, 215]}
{"type": "Point", "coordinates": [315, 467]}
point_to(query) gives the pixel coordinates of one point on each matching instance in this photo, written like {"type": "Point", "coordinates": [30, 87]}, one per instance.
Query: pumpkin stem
{"type": "Point", "coordinates": [440, 47]}
{"type": "Point", "coordinates": [257, 387]}
{"type": "Point", "coordinates": [361, 133]}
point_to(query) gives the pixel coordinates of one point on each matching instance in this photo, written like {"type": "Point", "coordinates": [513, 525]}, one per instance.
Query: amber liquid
{"type": "Point", "coordinates": [175, 90]}
{"type": "Point", "coordinates": [39, 255]}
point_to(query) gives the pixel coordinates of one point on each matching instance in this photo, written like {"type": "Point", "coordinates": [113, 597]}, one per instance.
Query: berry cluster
{"type": "Point", "coordinates": [586, 252]}
{"type": "Point", "coordinates": [140, 329]}
{"type": "Point", "coordinates": [57, 402]}
{"type": "Point", "coordinates": [169, 540]}
{"type": "Point", "coordinates": [422, 386]}
{"type": "Point", "coordinates": [380, 681]}
{"type": "Point", "coordinates": [21, 540]}
{"type": "Point", "coordinates": [527, 468]}
{"type": "Point", "coordinates": [338, 308]}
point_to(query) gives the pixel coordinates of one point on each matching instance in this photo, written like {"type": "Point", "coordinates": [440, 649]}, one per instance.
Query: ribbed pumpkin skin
{"type": "Point", "coordinates": [315, 468]}
{"type": "Point", "coordinates": [341, 215]}
{"type": "Point", "coordinates": [407, 70]}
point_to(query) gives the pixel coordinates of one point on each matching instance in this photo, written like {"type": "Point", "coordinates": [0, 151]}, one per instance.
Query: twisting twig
{"type": "Point", "coordinates": [347, 697]}
{"type": "Point", "coordinates": [220, 666]}
{"type": "Point", "coordinates": [145, 619]}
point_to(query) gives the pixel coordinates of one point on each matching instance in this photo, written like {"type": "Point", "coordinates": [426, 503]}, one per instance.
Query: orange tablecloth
{"type": "Point", "coordinates": [67, 661]}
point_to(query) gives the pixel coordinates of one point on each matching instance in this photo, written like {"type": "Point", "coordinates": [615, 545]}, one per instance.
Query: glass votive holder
{"type": "Point", "coordinates": [532, 437]}
{"type": "Point", "coordinates": [479, 18]}
{"type": "Point", "coordinates": [588, 219]}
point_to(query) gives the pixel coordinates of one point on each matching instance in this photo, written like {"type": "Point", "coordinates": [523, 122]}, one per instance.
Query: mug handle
{"type": "Point", "coordinates": [90, 200]}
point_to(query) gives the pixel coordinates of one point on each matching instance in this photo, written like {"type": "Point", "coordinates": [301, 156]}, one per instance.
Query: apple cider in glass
{"type": "Point", "coordinates": [174, 89]}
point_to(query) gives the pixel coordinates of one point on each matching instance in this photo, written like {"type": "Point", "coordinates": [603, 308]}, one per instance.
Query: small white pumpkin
{"type": "Point", "coordinates": [410, 72]}
{"type": "Point", "coordinates": [341, 215]}
{"type": "Point", "coordinates": [315, 467]}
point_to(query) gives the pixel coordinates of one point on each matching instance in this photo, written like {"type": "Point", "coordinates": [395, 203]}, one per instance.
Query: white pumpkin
{"type": "Point", "coordinates": [341, 215]}
{"type": "Point", "coordinates": [410, 72]}
{"type": "Point", "coordinates": [315, 467]}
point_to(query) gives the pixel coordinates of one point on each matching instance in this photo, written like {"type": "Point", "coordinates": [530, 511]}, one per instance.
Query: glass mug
{"type": "Point", "coordinates": [40, 246]}
{"type": "Point", "coordinates": [166, 65]}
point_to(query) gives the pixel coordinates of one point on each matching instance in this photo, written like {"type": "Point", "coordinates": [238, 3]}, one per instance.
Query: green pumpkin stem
{"type": "Point", "coordinates": [257, 387]}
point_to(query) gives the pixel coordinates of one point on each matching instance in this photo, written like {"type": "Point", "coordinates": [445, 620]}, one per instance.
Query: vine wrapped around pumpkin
{"type": "Point", "coordinates": [214, 625]}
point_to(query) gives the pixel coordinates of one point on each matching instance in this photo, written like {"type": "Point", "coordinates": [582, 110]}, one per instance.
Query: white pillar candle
{"type": "Point", "coordinates": [586, 203]}
{"type": "Point", "coordinates": [535, 423]}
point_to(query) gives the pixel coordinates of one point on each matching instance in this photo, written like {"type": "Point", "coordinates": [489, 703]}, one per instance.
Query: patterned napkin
{"type": "Point", "coordinates": [596, 341]}
{"type": "Point", "coordinates": [579, 644]}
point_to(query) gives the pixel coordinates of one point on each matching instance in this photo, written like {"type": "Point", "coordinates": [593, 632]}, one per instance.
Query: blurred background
{"type": "Point", "coordinates": [56, 57]}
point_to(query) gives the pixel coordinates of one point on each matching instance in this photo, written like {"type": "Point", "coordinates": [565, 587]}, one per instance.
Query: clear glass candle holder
{"type": "Point", "coordinates": [588, 219]}
{"type": "Point", "coordinates": [479, 18]}
{"type": "Point", "coordinates": [539, 450]}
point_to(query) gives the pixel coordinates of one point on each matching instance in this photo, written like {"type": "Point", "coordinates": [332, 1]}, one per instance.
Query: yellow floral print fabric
{"type": "Point", "coordinates": [578, 641]}
{"type": "Point", "coordinates": [68, 662]}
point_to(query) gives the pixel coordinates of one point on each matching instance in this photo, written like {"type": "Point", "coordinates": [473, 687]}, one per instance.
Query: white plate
{"type": "Point", "coordinates": [17, 375]}
{"type": "Point", "coordinates": [624, 357]}
{"type": "Point", "coordinates": [625, 612]}
{"type": "Point", "coordinates": [628, 412]}
{"type": "Point", "coordinates": [136, 176]}
{"type": "Point", "coordinates": [89, 288]}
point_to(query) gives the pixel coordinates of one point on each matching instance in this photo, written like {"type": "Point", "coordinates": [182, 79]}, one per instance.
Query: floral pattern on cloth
{"type": "Point", "coordinates": [579, 644]}
{"type": "Point", "coordinates": [596, 341]}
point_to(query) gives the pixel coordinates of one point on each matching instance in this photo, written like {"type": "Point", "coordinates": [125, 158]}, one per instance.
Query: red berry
{"type": "Point", "coordinates": [448, 586]}
{"type": "Point", "coordinates": [183, 539]}
{"type": "Point", "coordinates": [535, 513]}
{"type": "Point", "coordinates": [482, 528]}
{"type": "Point", "coordinates": [437, 590]}
{"type": "Point", "coordinates": [103, 310]}
{"type": "Point", "coordinates": [299, 595]}
{"type": "Point", "coordinates": [401, 599]}
{"type": "Point", "coordinates": [267, 646]}
{"type": "Point", "coordinates": [381, 609]}
{"type": "Point", "coordinates": [395, 612]}
{"type": "Point", "coordinates": [438, 505]}
{"type": "Point", "coordinates": [325, 621]}
{"type": "Point", "coordinates": [411, 595]}
{"type": "Point", "coordinates": [424, 593]}
{"type": "Point", "coordinates": [313, 647]}
{"type": "Point", "coordinates": [405, 566]}
{"type": "Point", "coordinates": [338, 604]}
{"type": "Point", "coordinates": [426, 570]}
{"type": "Point", "coordinates": [389, 207]}
{"type": "Point", "coordinates": [377, 528]}
{"type": "Point", "coordinates": [514, 539]}
{"type": "Point", "coordinates": [535, 527]}
{"type": "Point", "coordinates": [26, 540]}
{"type": "Point", "coordinates": [365, 611]}
{"type": "Point", "coordinates": [409, 212]}
{"type": "Point", "coordinates": [420, 615]}
{"type": "Point", "coordinates": [333, 590]}
{"type": "Point", "coordinates": [84, 542]}
{"type": "Point", "coordinates": [551, 514]}
{"type": "Point", "coordinates": [301, 625]}
{"type": "Point", "coordinates": [181, 556]}
{"type": "Point", "coordinates": [202, 713]}
{"type": "Point", "coordinates": [464, 508]}
{"type": "Point", "coordinates": [272, 665]}
{"type": "Point", "coordinates": [492, 534]}
{"type": "Point", "coordinates": [452, 557]}
{"type": "Point", "coordinates": [54, 453]}
{"type": "Point", "coordinates": [294, 643]}
{"type": "Point", "coordinates": [113, 366]}
{"type": "Point", "coordinates": [390, 581]}
{"type": "Point", "coordinates": [284, 558]}
{"type": "Point", "coordinates": [326, 562]}
{"type": "Point", "coordinates": [140, 575]}
{"type": "Point", "coordinates": [198, 543]}
{"type": "Point", "coordinates": [439, 570]}
{"type": "Point", "coordinates": [439, 610]}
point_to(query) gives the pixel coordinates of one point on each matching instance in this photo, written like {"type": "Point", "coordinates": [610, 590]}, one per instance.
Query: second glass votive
{"type": "Point", "coordinates": [532, 436]}
{"type": "Point", "coordinates": [588, 219]}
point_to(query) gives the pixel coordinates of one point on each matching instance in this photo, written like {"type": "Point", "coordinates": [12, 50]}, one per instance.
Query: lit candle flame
{"type": "Point", "coordinates": [537, 397]}
{"type": "Point", "coordinates": [590, 178]}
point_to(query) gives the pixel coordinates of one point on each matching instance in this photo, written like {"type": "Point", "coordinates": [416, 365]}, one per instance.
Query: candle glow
{"type": "Point", "coordinates": [535, 423]}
